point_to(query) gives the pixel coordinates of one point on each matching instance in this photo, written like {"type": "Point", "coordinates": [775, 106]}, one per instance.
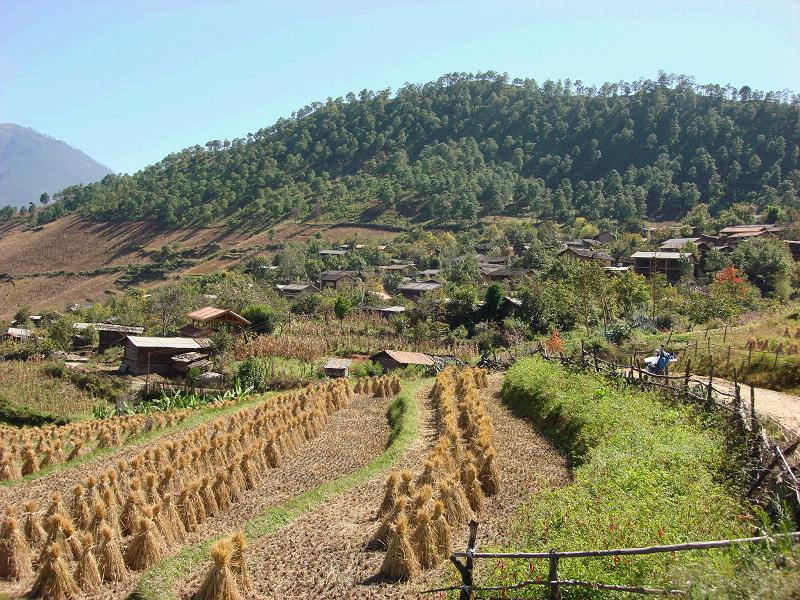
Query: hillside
{"type": "Point", "coordinates": [465, 146]}
{"type": "Point", "coordinates": [32, 163]}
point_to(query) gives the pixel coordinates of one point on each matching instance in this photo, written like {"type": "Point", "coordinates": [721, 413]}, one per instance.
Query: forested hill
{"type": "Point", "coordinates": [465, 146]}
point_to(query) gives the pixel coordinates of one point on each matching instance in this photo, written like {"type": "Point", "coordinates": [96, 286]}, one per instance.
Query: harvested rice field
{"type": "Point", "coordinates": [315, 445]}
{"type": "Point", "coordinates": [323, 554]}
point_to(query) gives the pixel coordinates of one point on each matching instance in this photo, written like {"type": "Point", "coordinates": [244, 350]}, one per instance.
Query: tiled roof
{"type": "Point", "coordinates": [663, 255]}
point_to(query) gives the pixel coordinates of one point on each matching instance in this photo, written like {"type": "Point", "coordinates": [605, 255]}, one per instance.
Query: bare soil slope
{"type": "Point", "coordinates": [71, 245]}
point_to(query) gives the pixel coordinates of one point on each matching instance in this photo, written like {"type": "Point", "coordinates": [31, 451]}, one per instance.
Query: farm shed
{"type": "Point", "coordinates": [332, 252]}
{"type": "Point", "coordinates": [193, 331]}
{"type": "Point", "coordinates": [210, 315]}
{"type": "Point", "coordinates": [386, 311]}
{"type": "Point", "coordinates": [182, 363]}
{"type": "Point", "coordinates": [337, 367]}
{"type": "Point", "coordinates": [415, 289]}
{"type": "Point", "coordinates": [18, 334]}
{"type": "Point", "coordinates": [395, 359]}
{"type": "Point", "coordinates": [153, 354]}
{"type": "Point", "coordinates": [677, 244]}
{"type": "Point", "coordinates": [109, 334]}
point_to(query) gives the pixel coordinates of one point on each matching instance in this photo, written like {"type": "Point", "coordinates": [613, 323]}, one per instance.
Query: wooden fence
{"type": "Point", "coordinates": [466, 569]}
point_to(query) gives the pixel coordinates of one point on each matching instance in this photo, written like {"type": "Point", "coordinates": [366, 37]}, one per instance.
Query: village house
{"type": "Point", "coordinates": [327, 252]}
{"type": "Point", "coordinates": [406, 269]}
{"type": "Point", "coordinates": [386, 311]}
{"type": "Point", "coordinates": [395, 359]}
{"type": "Point", "coordinates": [428, 274]}
{"type": "Point", "coordinates": [605, 237]}
{"type": "Point", "coordinates": [109, 334]}
{"type": "Point", "coordinates": [293, 290]}
{"type": "Point", "coordinates": [736, 234]}
{"type": "Point", "coordinates": [678, 244]}
{"type": "Point", "coordinates": [669, 263]}
{"type": "Point", "coordinates": [339, 279]}
{"type": "Point", "coordinates": [144, 355]}
{"type": "Point", "coordinates": [414, 290]}
{"type": "Point", "coordinates": [794, 248]}
{"type": "Point", "coordinates": [506, 274]}
{"type": "Point", "coordinates": [601, 258]}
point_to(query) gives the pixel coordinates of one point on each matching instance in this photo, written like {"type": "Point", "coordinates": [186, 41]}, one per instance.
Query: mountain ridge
{"type": "Point", "coordinates": [32, 162]}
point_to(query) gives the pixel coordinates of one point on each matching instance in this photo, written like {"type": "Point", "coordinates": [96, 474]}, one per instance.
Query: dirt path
{"type": "Point", "coordinates": [783, 407]}
{"type": "Point", "coordinates": [322, 555]}
{"type": "Point", "coordinates": [352, 438]}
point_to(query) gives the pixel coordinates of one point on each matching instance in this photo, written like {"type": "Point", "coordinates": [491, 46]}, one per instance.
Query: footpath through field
{"type": "Point", "coordinates": [783, 407]}
{"type": "Point", "coordinates": [322, 554]}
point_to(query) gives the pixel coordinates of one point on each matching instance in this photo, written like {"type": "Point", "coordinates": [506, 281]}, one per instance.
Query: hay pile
{"type": "Point", "coordinates": [417, 514]}
{"type": "Point", "coordinates": [228, 575]}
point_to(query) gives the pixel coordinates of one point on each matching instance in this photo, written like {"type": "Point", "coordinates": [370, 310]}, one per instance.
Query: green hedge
{"type": "Point", "coordinates": [645, 473]}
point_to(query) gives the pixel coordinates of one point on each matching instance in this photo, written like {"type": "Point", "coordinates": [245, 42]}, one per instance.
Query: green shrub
{"type": "Point", "coordinates": [263, 318]}
{"type": "Point", "coordinates": [254, 372]}
{"type": "Point", "coordinates": [365, 368]}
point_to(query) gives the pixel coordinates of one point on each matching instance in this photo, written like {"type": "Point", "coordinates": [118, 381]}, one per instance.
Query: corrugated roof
{"type": "Point", "coordinates": [18, 332]}
{"type": "Point", "coordinates": [664, 255]}
{"type": "Point", "coordinates": [420, 286]}
{"type": "Point", "coordinates": [678, 243]}
{"type": "Point", "coordinates": [169, 342]}
{"type": "Point", "coordinates": [409, 358]}
{"type": "Point", "coordinates": [338, 363]}
{"type": "Point", "coordinates": [109, 327]}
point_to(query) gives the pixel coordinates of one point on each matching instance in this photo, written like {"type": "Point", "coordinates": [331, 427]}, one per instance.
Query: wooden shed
{"type": "Point", "coordinates": [337, 367]}
{"type": "Point", "coordinates": [396, 359]}
{"type": "Point", "coordinates": [183, 363]}
{"type": "Point", "coordinates": [145, 355]}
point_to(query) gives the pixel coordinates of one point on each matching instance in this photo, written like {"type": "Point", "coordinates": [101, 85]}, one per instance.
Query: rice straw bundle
{"type": "Point", "coordinates": [15, 556]}
{"type": "Point", "coordinates": [145, 548]}
{"type": "Point", "coordinates": [400, 562]}
{"type": "Point", "coordinates": [112, 564]}
{"type": "Point", "coordinates": [238, 562]}
{"type": "Point", "coordinates": [54, 581]}
{"type": "Point", "coordinates": [88, 573]}
{"type": "Point", "coordinates": [220, 582]}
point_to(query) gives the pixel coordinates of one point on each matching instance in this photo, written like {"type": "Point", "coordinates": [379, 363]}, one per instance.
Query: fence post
{"type": "Point", "coordinates": [753, 419]}
{"type": "Point", "coordinates": [596, 364]}
{"type": "Point", "coordinates": [688, 371]}
{"type": "Point", "coordinates": [552, 576]}
{"type": "Point", "coordinates": [711, 383]}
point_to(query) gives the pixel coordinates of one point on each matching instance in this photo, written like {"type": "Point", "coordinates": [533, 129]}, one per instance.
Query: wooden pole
{"type": "Point", "coordinates": [596, 364]}
{"type": "Point", "coordinates": [695, 349]}
{"type": "Point", "coordinates": [753, 419]}
{"type": "Point", "coordinates": [552, 576]}
{"type": "Point", "coordinates": [725, 334]}
{"type": "Point", "coordinates": [688, 371]}
{"type": "Point", "coordinates": [710, 383]}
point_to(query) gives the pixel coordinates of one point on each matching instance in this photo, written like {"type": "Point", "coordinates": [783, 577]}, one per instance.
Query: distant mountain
{"type": "Point", "coordinates": [32, 163]}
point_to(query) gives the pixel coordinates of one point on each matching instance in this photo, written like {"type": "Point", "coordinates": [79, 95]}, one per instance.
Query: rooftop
{"type": "Point", "coordinates": [407, 358]}
{"type": "Point", "coordinates": [109, 327]}
{"type": "Point", "coordinates": [661, 255]}
{"type": "Point", "coordinates": [338, 363]}
{"type": "Point", "coordinates": [169, 342]}
{"type": "Point", "coordinates": [209, 313]}
{"type": "Point", "coordinates": [420, 286]}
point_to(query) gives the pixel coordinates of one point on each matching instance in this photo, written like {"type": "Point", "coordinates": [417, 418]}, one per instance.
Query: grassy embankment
{"type": "Point", "coordinates": [646, 473]}
{"type": "Point", "coordinates": [158, 582]}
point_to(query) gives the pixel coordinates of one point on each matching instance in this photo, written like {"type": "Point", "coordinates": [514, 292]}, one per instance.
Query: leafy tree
{"type": "Point", "coordinates": [767, 263]}
{"type": "Point", "coordinates": [44, 198]}
{"type": "Point", "coordinates": [264, 318]}
{"type": "Point", "coordinates": [23, 316]}
{"type": "Point", "coordinates": [342, 307]}
{"type": "Point", "coordinates": [493, 302]}
{"type": "Point", "coordinates": [169, 305]}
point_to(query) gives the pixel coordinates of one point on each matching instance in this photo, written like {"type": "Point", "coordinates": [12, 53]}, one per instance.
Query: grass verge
{"type": "Point", "coordinates": [158, 582]}
{"type": "Point", "coordinates": [645, 473]}
{"type": "Point", "coordinates": [201, 416]}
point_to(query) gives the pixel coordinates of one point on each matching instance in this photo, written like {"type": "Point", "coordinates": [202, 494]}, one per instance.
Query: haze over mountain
{"type": "Point", "coordinates": [32, 163]}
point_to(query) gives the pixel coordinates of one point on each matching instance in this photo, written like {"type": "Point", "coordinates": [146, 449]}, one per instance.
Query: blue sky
{"type": "Point", "coordinates": [129, 82]}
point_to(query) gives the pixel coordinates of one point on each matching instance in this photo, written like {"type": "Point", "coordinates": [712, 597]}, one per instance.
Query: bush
{"type": "Point", "coordinates": [254, 372]}
{"type": "Point", "coordinates": [365, 368]}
